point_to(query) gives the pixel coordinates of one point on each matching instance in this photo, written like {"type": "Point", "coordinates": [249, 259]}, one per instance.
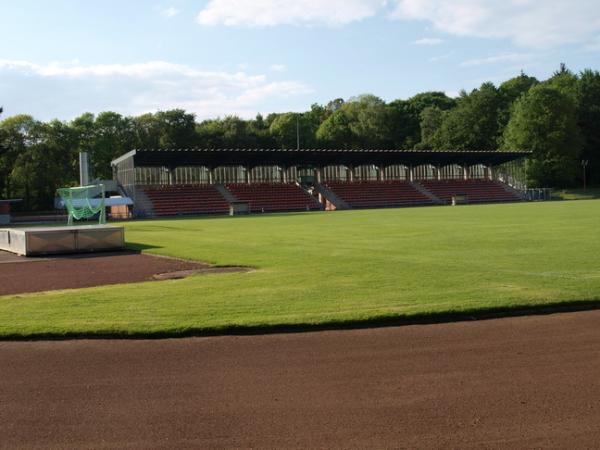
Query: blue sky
{"type": "Point", "coordinates": [61, 58]}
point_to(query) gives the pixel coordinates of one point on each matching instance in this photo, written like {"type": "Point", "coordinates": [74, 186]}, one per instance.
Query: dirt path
{"type": "Point", "coordinates": [528, 382]}
{"type": "Point", "coordinates": [19, 275]}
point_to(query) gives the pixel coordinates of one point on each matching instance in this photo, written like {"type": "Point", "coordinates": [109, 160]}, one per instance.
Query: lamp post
{"type": "Point", "coordinates": [297, 131]}
{"type": "Point", "coordinates": [584, 163]}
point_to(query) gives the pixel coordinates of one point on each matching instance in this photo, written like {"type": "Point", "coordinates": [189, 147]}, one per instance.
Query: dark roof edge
{"type": "Point", "coordinates": [317, 150]}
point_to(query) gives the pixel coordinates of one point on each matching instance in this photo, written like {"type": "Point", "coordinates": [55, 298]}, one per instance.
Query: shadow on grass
{"type": "Point", "coordinates": [376, 322]}
{"type": "Point", "coordinates": [139, 247]}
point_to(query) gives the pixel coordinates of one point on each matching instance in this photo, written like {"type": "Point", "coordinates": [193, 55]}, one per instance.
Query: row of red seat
{"type": "Point", "coordinates": [476, 191]}
{"type": "Point", "coordinates": [374, 194]}
{"type": "Point", "coordinates": [180, 200]}
{"type": "Point", "coordinates": [270, 197]}
{"type": "Point", "coordinates": [206, 199]}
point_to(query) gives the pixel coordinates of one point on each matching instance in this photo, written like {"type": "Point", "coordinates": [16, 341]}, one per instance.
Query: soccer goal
{"type": "Point", "coordinates": [84, 202]}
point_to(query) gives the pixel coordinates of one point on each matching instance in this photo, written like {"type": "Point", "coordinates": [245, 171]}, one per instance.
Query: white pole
{"type": "Point", "coordinates": [84, 170]}
{"type": "Point", "coordinates": [297, 132]}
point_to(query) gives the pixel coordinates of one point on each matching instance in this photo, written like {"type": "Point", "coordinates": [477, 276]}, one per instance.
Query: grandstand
{"type": "Point", "coordinates": [170, 182]}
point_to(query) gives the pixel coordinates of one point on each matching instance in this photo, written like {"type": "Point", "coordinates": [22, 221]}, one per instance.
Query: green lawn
{"type": "Point", "coordinates": [577, 194]}
{"type": "Point", "coordinates": [331, 268]}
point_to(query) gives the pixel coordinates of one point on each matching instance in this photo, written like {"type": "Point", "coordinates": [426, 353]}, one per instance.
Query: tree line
{"type": "Point", "coordinates": [557, 119]}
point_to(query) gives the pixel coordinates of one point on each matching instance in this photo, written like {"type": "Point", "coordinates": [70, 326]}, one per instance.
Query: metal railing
{"type": "Point", "coordinates": [536, 195]}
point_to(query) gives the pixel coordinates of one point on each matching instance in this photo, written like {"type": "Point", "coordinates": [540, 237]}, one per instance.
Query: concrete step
{"type": "Point", "coordinates": [419, 187]}
{"type": "Point", "coordinates": [331, 197]}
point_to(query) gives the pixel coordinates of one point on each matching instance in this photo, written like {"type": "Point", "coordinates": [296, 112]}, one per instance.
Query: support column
{"type": "Point", "coordinates": [171, 175]}
{"type": "Point", "coordinates": [350, 174]}
{"type": "Point", "coordinates": [318, 173]}
{"type": "Point", "coordinates": [438, 173]}
{"type": "Point", "coordinates": [490, 172]}
{"type": "Point", "coordinates": [382, 173]}
{"type": "Point", "coordinates": [378, 173]}
{"type": "Point", "coordinates": [247, 174]}
{"type": "Point", "coordinates": [211, 176]}
{"type": "Point", "coordinates": [466, 174]}
{"type": "Point", "coordinates": [411, 173]}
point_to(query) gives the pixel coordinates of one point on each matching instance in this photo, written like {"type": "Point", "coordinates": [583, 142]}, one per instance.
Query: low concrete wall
{"type": "Point", "coordinates": [60, 240]}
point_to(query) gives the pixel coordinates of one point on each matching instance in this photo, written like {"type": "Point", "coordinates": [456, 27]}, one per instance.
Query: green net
{"type": "Point", "coordinates": [84, 202]}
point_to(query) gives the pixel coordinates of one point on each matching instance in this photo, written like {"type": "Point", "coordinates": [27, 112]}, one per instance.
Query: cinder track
{"type": "Point", "coordinates": [20, 275]}
{"type": "Point", "coordinates": [527, 382]}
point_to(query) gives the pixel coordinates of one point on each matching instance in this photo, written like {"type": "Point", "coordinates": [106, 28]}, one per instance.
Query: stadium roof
{"type": "Point", "coordinates": [211, 157]}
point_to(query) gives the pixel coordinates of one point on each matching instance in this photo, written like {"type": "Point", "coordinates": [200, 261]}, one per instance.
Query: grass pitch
{"type": "Point", "coordinates": [336, 268]}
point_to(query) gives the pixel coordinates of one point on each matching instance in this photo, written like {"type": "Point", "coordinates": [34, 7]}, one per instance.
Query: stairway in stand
{"type": "Point", "coordinates": [476, 190]}
{"type": "Point", "coordinates": [378, 194]}
{"type": "Point", "coordinates": [272, 197]}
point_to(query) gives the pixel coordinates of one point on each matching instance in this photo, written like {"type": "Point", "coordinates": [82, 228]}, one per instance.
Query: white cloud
{"type": "Point", "coordinates": [65, 90]}
{"type": "Point", "coordinates": [260, 13]}
{"type": "Point", "coordinates": [428, 41]}
{"type": "Point", "coordinates": [497, 59]}
{"type": "Point", "coordinates": [439, 58]}
{"type": "Point", "coordinates": [277, 68]}
{"type": "Point", "coordinates": [531, 23]}
{"type": "Point", "coordinates": [169, 12]}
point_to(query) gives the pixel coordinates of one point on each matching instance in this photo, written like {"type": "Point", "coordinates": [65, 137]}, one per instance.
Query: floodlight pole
{"type": "Point", "coordinates": [584, 163]}
{"type": "Point", "coordinates": [84, 171]}
{"type": "Point", "coordinates": [297, 132]}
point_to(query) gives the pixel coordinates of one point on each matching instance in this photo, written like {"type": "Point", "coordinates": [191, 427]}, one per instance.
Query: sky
{"type": "Point", "coordinates": [61, 58]}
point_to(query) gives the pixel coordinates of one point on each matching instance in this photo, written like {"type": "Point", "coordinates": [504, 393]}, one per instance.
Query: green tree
{"type": "Point", "coordinates": [373, 122]}
{"type": "Point", "coordinates": [473, 124]}
{"type": "Point", "coordinates": [334, 105]}
{"type": "Point", "coordinates": [177, 129]}
{"type": "Point", "coordinates": [285, 128]}
{"type": "Point", "coordinates": [432, 118]}
{"type": "Point", "coordinates": [362, 122]}
{"type": "Point", "coordinates": [405, 127]}
{"type": "Point", "coordinates": [147, 131]}
{"type": "Point", "coordinates": [335, 131]}
{"type": "Point", "coordinates": [113, 136]}
{"type": "Point", "coordinates": [259, 129]}
{"type": "Point", "coordinates": [433, 98]}
{"type": "Point", "coordinates": [564, 80]}
{"type": "Point", "coordinates": [588, 115]}
{"type": "Point", "coordinates": [510, 91]}
{"type": "Point", "coordinates": [17, 133]}
{"type": "Point", "coordinates": [40, 159]}
{"type": "Point", "coordinates": [233, 132]}
{"type": "Point", "coordinates": [544, 121]}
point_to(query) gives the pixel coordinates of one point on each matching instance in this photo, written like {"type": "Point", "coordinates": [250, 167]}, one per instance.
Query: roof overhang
{"type": "Point", "coordinates": [313, 157]}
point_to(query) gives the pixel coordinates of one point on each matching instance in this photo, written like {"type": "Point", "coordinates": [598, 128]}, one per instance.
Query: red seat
{"type": "Point", "coordinates": [181, 199]}
{"type": "Point", "coordinates": [271, 197]}
{"type": "Point", "coordinates": [378, 194]}
{"type": "Point", "coordinates": [476, 190]}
